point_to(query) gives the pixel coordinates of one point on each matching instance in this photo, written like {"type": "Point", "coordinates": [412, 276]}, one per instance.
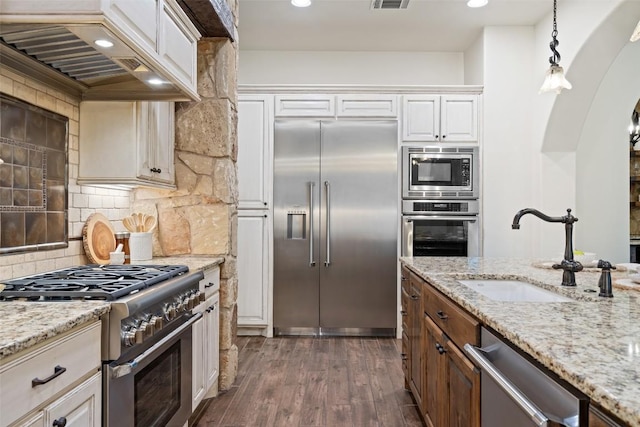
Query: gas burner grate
{"type": "Point", "coordinates": [90, 282]}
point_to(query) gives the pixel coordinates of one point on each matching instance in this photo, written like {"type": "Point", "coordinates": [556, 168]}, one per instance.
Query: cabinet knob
{"type": "Point", "coordinates": [444, 136]}
{"type": "Point", "coordinates": [436, 136]}
{"type": "Point", "coordinates": [441, 315]}
{"type": "Point", "coordinates": [60, 422]}
{"type": "Point", "coordinates": [156, 170]}
{"type": "Point", "coordinates": [440, 348]}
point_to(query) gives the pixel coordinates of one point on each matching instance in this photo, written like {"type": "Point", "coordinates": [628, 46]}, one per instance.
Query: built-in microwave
{"type": "Point", "coordinates": [440, 172]}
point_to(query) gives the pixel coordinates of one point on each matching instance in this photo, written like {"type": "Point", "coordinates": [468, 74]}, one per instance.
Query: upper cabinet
{"type": "Point", "coordinates": [127, 144]}
{"type": "Point", "coordinates": [152, 53]}
{"type": "Point", "coordinates": [254, 142]}
{"type": "Point", "coordinates": [341, 106]}
{"type": "Point", "coordinates": [440, 118]}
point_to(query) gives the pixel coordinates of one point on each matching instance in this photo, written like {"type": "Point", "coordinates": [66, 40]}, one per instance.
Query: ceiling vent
{"type": "Point", "coordinates": [389, 4]}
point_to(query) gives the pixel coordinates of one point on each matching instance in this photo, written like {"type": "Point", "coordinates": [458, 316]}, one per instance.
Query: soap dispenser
{"type": "Point", "coordinates": [604, 283]}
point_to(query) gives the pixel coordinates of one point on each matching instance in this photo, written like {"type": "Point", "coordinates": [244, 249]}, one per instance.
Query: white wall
{"type": "Point", "coordinates": [350, 68]}
{"type": "Point", "coordinates": [602, 165]}
{"type": "Point", "coordinates": [507, 150]}
{"type": "Point", "coordinates": [474, 62]}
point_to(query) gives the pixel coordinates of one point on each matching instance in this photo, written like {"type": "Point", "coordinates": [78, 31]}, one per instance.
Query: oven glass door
{"type": "Point", "coordinates": [153, 390]}
{"type": "Point", "coordinates": [440, 171]}
{"type": "Point", "coordinates": [439, 236]}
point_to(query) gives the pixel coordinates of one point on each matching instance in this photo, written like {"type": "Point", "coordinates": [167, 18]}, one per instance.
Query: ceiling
{"type": "Point", "coordinates": [351, 25]}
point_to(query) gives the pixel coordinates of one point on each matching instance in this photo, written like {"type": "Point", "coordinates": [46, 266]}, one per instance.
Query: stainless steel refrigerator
{"type": "Point", "coordinates": [335, 227]}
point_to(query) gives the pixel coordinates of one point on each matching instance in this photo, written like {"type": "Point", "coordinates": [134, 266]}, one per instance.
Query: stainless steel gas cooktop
{"type": "Point", "coordinates": [108, 282]}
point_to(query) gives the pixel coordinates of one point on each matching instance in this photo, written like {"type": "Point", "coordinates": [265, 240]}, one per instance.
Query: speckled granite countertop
{"type": "Point", "coordinates": [193, 262]}
{"type": "Point", "coordinates": [25, 324]}
{"type": "Point", "coordinates": [592, 343]}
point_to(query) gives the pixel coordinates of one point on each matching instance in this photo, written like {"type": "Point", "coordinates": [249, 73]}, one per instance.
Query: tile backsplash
{"type": "Point", "coordinates": [82, 200]}
{"type": "Point", "coordinates": [33, 177]}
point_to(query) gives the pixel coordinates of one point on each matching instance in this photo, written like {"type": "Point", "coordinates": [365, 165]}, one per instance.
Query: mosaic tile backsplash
{"type": "Point", "coordinates": [33, 177]}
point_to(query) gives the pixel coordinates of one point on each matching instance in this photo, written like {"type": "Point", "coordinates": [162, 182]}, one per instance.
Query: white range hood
{"type": "Point", "coordinates": [153, 54]}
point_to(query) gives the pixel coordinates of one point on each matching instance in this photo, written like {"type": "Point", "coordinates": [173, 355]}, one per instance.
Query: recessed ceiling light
{"type": "Point", "coordinates": [301, 3]}
{"type": "Point", "coordinates": [103, 43]}
{"type": "Point", "coordinates": [477, 3]}
{"type": "Point", "coordinates": [155, 81]}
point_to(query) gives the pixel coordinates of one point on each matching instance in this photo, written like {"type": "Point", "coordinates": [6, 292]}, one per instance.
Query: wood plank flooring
{"type": "Point", "coordinates": [330, 382]}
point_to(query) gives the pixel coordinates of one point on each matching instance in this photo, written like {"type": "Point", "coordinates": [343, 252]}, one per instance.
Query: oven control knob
{"type": "Point", "coordinates": [129, 337]}
{"type": "Point", "coordinates": [193, 301]}
{"type": "Point", "coordinates": [156, 322]}
{"type": "Point", "coordinates": [201, 296]}
{"type": "Point", "coordinates": [142, 332]}
{"type": "Point", "coordinates": [169, 311]}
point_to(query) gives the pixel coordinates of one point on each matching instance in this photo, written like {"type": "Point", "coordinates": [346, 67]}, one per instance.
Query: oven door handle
{"type": "Point", "coordinates": [523, 402]}
{"type": "Point", "coordinates": [127, 368]}
{"type": "Point", "coordinates": [468, 218]}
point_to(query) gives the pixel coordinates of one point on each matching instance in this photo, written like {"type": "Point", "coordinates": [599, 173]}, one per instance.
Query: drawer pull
{"type": "Point", "coordinates": [403, 356]}
{"type": "Point", "coordinates": [57, 371]}
{"type": "Point", "coordinates": [403, 313]}
{"type": "Point", "coordinates": [415, 297]}
{"type": "Point", "coordinates": [440, 348]}
{"type": "Point", "coordinates": [208, 285]}
{"type": "Point", "coordinates": [60, 422]}
{"type": "Point", "coordinates": [441, 315]}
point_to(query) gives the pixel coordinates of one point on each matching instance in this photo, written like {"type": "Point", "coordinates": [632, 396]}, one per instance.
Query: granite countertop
{"type": "Point", "coordinates": [25, 324]}
{"type": "Point", "coordinates": [593, 342]}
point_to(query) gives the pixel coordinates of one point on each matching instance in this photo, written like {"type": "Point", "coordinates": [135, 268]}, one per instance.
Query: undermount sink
{"type": "Point", "coordinates": [513, 290]}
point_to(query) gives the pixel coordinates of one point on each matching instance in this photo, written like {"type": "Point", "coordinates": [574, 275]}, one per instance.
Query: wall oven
{"type": "Point", "coordinates": [440, 228]}
{"type": "Point", "coordinates": [439, 172]}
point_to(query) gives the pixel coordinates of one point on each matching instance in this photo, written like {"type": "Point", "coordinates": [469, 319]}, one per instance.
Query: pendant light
{"type": "Point", "coordinates": [554, 80]}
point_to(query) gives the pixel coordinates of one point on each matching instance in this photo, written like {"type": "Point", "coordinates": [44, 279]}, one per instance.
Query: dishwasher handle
{"type": "Point", "coordinates": [536, 415]}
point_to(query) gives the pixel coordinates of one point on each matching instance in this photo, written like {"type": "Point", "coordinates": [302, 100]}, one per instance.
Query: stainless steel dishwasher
{"type": "Point", "coordinates": [515, 392]}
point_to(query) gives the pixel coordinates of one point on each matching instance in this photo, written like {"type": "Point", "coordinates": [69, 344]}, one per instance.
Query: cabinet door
{"type": "Point", "coordinates": [305, 105]}
{"type": "Point", "coordinates": [435, 374]}
{"type": "Point", "coordinates": [254, 151]}
{"type": "Point", "coordinates": [421, 118]}
{"type": "Point", "coordinates": [177, 47]}
{"type": "Point", "coordinates": [212, 343]}
{"type": "Point", "coordinates": [197, 357]}
{"type": "Point", "coordinates": [464, 389]}
{"type": "Point", "coordinates": [253, 268]}
{"type": "Point", "coordinates": [459, 118]}
{"type": "Point", "coordinates": [156, 141]}
{"type": "Point", "coordinates": [415, 336]}
{"type": "Point", "coordinates": [35, 420]}
{"type": "Point", "coordinates": [81, 407]}
{"type": "Point", "coordinates": [367, 105]}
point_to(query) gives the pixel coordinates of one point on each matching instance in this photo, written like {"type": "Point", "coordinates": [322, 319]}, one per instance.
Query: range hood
{"type": "Point", "coordinates": [152, 53]}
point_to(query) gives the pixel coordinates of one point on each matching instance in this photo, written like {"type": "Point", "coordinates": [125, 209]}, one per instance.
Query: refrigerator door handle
{"type": "Point", "coordinates": [312, 261]}
{"type": "Point", "coordinates": [327, 186]}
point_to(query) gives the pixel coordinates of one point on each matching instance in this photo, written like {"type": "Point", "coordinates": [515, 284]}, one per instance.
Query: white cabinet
{"type": "Point", "coordinates": [81, 407]}
{"type": "Point", "coordinates": [253, 261]}
{"type": "Point", "coordinates": [212, 344]}
{"type": "Point", "coordinates": [206, 340]}
{"type": "Point", "coordinates": [197, 360]}
{"type": "Point", "coordinates": [126, 143]}
{"type": "Point", "coordinates": [69, 386]}
{"type": "Point", "coordinates": [367, 105]}
{"type": "Point", "coordinates": [305, 105]}
{"type": "Point", "coordinates": [440, 118]}
{"type": "Point", "coordinates": [255, 128]}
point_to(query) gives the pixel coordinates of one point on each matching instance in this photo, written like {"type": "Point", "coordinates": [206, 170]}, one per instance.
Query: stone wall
{"type": "Point", "coordinates": [200, 216]}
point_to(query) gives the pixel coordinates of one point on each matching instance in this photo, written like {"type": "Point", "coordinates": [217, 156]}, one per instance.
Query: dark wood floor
{"type": "Point", "coordinates": [315, 382]}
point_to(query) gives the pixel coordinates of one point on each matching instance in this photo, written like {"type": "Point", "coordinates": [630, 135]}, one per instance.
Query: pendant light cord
{"type": "Point", "coordinates": [555, 57]}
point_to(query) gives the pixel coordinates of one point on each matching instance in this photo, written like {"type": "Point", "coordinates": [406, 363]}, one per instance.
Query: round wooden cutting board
{"type": "Point", "coordinates": [98, 239]}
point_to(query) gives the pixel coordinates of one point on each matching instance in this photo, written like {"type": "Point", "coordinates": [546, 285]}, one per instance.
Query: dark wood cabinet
{"type": "Point", "coordinates": [444, 383]}
{"type": "Point", "coordinates": [597, 418]}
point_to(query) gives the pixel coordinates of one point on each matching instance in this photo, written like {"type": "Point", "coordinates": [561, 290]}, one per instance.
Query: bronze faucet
{"type": "Point", "coordinates": [568, 265]}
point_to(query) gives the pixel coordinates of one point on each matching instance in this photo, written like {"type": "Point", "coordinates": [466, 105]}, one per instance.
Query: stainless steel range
{"type": "Point", "coordinates": [146, 337]}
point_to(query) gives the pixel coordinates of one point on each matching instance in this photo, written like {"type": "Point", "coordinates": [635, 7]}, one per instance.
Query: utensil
{"type": "Point", "coordinates": [150, 223]}
{"type": "Point", "coordinates": [129, 223]}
